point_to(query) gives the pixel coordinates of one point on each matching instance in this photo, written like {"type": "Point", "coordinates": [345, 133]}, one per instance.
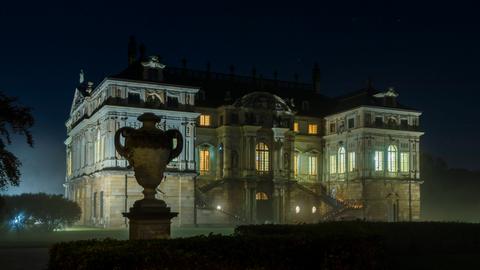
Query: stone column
{"type": "Point", "coordinates": [280, 148]}
{"type": "Point", "coordinates": [278, 203]}
{"type": "Point", "coordinates": [250, 202]}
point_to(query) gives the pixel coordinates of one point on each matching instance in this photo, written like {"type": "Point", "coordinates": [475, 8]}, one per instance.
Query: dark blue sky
{"type": "Point", "coordinates": [429, 53]}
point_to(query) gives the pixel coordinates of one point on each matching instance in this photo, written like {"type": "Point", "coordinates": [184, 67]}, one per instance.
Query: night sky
{"type": "Point", "coordinates": [429, 53]}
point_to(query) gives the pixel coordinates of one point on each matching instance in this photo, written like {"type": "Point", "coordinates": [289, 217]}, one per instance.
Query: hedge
{"type": "Point", "coordinates": [221, 252]}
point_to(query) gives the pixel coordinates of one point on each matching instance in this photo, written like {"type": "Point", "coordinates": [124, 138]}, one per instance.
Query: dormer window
{"type": "Point", "coordinates": [351, 122]}
{"type": "Point", "coordinates": [205, 120]}
{"type": "Point", "coordinates": [133, 98]}
{"type": "Point", "coordinates": [332, 127]}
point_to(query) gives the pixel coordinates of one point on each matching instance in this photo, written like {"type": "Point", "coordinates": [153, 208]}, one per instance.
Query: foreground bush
{"type": "Point", "coordinates": [39, 211]}
{"type": "Point", "coordinates": [221, 252]}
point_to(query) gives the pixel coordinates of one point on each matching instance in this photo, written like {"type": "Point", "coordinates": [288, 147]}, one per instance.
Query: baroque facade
{"type": "Point", "coordinates": [255, 150]}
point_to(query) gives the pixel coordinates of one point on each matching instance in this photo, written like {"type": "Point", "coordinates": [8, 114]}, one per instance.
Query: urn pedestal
{"type": "Point", "coordinates": [149, 150]}
{"type": "Point", "coordinates": [149, 222]}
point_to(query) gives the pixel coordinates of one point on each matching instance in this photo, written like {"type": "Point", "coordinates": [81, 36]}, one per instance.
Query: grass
{"type": "Point", "coordinates": [40, 239]}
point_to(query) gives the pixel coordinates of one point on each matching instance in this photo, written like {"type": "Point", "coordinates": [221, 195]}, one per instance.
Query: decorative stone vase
{"type": "Point", "coordinates": [149, 150]}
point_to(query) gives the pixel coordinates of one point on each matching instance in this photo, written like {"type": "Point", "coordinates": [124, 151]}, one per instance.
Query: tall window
{"type": "Point", "coordinates": [341, 160]}
{"type": "Point", "coordinates": [392, 158]}
{"type": "Point", "coordinates": [204, 161]}
{"type": "Point", "coordinates": [295, 164]}
{"type": "Point", "coordinates": [95, 204]}
{"type": "Point", "coordinates": [378, 161]}
{"type": "Point", "coordinates": [333, 164]}
{"type": "Point", "coordinates": [351, 161]}
{"type": "Point", "coordinates": [101, 204]}
{"type": "Point", "coordinates": [312, 129]}
{"type": "Point", "coordinates": [205, 120]}
{"type": "Point", "coordinates": [312, 165]}
{"type": "Point", "coordinates": [262, 162]}
{"type": "Point", "coordinates": [404, 162]}
{"type": "Point", "coordinates": [295, 127]}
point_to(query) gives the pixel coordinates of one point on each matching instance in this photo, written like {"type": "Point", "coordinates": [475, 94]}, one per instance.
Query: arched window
{"type": "Point", "coordinates": [392, 158]}
{"type": "Point", "coordinates": [204, 161]}
{"type": "Point", "coordinates": [341, 160]}
{"type": "Point", "coordinates": [262, 158]}
{"type": "Point", "coordinates": [261, 196]}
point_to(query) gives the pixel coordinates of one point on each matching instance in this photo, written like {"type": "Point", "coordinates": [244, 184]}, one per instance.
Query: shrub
{"type": "Point", "coordinates": [220, 252]}
{"type": "Point", "coordinates": [41, 211]}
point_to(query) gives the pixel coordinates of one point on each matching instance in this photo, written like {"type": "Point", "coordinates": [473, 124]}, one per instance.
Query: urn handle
{"type": "Point", "coordinates": [118, 146]}
{"type": "Point", "coordinates": [175, 134]}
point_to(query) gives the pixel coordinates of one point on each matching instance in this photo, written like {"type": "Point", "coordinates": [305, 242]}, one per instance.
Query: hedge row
{"type": "Point", "coordinates": [221, 252]}
{"type": "Point", "coordinates": [398, 237]}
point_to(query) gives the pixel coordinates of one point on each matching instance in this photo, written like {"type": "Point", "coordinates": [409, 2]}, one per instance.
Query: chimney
{"type": "Point", "coordinates": [132, 50]}
{"type": "Point", "coordinates": [316, 78]}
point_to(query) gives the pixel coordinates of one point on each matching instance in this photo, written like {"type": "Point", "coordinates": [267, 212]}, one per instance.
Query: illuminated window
{"type": "Point", "coordinates": [205, 120]}
{"type": "Point", "coordinates": [404, 162]}
{"type": "Point", "coordinates": [297, 209]}
{"type": "Point", "coordinates": [262, 161]}
{"type": "Point", "coordinates": [312, 165]}
{"type": "Point", "coordinates": [295, 164]}
{"type": "Point", "coordinates": [261, 196]}
{"type": "Point", "coordinates": [378, 161]}
{"type": "Point", "coordinates": [312, 128]}
{"type": "Point", "coordinates": [392, 158]}
{"type": "Point", "coordinates": [341, 160]}
{"type": "Point", "coordinates": [333, 164]}
{"type": "Point", "coordinates": [295, 127]}
{"type": "Point", "coordinates": [204, 161]}
{"type": "Point", "coordinates": [351, 161]}
{"type": "Point", "coordinates": [314, 209]}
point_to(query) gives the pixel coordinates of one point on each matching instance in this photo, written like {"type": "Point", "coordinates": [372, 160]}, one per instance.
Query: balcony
{"type": "Point", "coordinates": [393, 126]}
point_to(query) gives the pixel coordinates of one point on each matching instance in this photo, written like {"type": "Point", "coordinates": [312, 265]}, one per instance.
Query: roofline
{"type": "Point", "coordinates": [375, 107]}
{"type": "Point", "coordinates": [150, 82]}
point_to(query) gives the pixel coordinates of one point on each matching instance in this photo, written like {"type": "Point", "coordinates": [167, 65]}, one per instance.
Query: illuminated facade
{"type": "Point", "coordinates": [255, 150]}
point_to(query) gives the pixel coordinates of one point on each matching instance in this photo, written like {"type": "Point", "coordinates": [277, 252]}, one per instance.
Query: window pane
{"type": "Point", "coordinates": [312, 129]}
{"type": "Point", "coordinates": [295, 164]}
{"type": "Point", "coordinates": [378, 161]}
{"type": "Point", "coordinates": [404, 162]}
{"type": "Point", "coordinates": [262, 162]}
{"type": "Point", "coordinates": [333, 164]}
{"type": "Point", "coordinates": [392, 158]}
{"type": "Point", "coordinates": [351, 161]}
{"type": "Point", "coordinates": [204, 161]}
{"type": "Point", "coordinates": [341, 160]}
{"type": "Point", "coordinates": [295, 127]}
{"type": "Point", "coordinates": [312, 165]}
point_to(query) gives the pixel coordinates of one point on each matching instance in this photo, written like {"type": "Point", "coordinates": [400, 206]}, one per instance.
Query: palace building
{"type": "Point", "coordinates": [255, 150]}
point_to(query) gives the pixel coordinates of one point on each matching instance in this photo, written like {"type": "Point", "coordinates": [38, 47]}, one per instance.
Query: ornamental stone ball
{"type": "Point", "coordinates": [149, 150]}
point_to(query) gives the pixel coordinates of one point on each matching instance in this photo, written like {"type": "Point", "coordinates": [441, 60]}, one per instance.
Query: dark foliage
{"type": "Point", "coordinates": [449, 193]}
{"type": "Point", "coordinates": [42, 211]}
{"type": "Point", "coordinates": [406, 245]}
{"type": "Point", "coordinates": [14, 119]}
{"type": "Point", "coordinates": [221, 252]}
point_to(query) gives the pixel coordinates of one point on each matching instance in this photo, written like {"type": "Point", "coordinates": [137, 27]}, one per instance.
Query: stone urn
{"type": "Point", "coordinates": [149, 150]}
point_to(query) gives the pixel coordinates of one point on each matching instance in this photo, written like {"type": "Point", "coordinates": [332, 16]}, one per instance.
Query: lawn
{"type": "Point", "coordinates": [40, 239]}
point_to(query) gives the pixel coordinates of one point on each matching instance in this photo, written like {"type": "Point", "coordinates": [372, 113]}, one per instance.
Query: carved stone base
{"type": "Point", "coordinates": [149, 222]}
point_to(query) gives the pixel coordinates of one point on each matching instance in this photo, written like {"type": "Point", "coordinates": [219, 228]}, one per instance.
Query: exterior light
{"type": "Point", "coordinates": [219, 207]}
{"type": "Point", "coordinates": [297, 209]}
{"type": "Point", "coordinates": [314, 210]}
